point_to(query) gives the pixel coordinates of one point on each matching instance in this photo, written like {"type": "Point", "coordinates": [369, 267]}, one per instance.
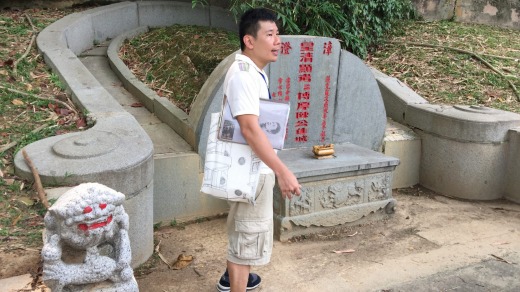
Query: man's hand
{"type": "Point", "coordinates": [258, 141]}
{"type": "Point", "coordinates": [288, 184]}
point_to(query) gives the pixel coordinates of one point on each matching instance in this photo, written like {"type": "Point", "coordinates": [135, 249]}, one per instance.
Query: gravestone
{"type": "Point", "coordinates": [333, 94]}
{"type": "Point", "coordinates": [334, 98]}
{"type": "Point", "coordinates": [86, 244]}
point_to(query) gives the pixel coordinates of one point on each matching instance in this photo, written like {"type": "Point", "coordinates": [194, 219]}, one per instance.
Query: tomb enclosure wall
{"type": "Point", "coordinates": [116, 151]}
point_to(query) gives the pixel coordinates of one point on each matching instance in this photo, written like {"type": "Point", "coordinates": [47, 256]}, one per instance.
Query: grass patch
{"type": "Point", "coordinates": [175, 61]}
{"type": "Point", "coordinates": [445, 74]}
{"type": "Point", "coordinates": [28, 113]}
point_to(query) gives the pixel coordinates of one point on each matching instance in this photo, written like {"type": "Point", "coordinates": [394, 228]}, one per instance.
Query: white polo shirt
{"type": "Point", "coordinates": [243, 86]}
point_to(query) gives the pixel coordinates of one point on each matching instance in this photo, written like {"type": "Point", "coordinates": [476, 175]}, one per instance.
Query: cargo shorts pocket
{"type": "Point", "coordinates": [252, 239]}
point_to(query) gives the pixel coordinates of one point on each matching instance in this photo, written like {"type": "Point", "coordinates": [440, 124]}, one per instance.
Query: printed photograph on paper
{"type": "Point", "coordinates": [273, 121]}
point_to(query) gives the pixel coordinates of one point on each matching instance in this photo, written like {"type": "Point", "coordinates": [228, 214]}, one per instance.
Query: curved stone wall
{"type": "Point", "coordinates": [468, 152]}
{"type": "Point", "coordinates": [116, 151]}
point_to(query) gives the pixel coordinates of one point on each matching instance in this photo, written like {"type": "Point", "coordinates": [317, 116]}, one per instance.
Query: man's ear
{"type": "Point", "coordinates": [248, 41]}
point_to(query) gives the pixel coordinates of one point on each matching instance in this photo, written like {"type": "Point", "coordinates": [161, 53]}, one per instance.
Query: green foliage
{"type": "Point", "coordinates": [358, 24]}
{"type": "Point", "coordinates": [55, 79]}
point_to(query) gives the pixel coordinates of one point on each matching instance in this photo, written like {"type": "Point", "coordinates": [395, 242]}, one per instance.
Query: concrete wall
{"type": "Point", "coordinates": [505, 13]}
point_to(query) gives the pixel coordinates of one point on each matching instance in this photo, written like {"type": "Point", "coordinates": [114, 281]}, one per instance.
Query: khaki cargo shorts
{"type": "Point", "coordinates": [250, 227]}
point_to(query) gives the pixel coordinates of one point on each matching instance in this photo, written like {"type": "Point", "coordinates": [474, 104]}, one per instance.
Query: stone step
{"type": "Point", "coordinates": [405, 144]}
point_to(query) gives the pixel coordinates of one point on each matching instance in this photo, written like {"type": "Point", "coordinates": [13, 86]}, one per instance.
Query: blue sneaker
{"type": "Point", "coordinates": [224, 286]}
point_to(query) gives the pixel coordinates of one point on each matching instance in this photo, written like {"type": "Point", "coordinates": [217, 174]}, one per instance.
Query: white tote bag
{"type": "Point", "coordinates": [231, 170]}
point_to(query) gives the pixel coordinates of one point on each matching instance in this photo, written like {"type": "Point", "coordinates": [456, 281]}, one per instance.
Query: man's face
{"type": "Point", "coordinates": [265, 47]}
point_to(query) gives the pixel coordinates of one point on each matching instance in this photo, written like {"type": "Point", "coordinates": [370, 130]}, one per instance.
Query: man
{"type": "Point", "coordinates": [250, 227]}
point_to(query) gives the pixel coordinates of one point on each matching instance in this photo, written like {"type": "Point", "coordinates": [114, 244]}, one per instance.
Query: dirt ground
{"type": "Point", "coordinates": [306, 264]}
{"type": "Point", "coordinates": [425, 229]}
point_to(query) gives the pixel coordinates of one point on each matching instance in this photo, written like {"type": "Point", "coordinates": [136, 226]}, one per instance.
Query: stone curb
{"type": "Point", "coordinates": [165, 110]}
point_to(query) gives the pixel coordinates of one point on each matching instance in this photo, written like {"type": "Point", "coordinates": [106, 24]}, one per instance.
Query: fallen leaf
{"type": "Point", "coordinates": [26, 201]}
{"type": "Point", "coordinates": [9, 63]}
{"type": "Point", "coordinates": [343, 251]}
{"type": "Point", "coordinates": [157, 248]}
{"type": "Point", "coordinates": [16, 220]}
{"type": "Point", "coordinates": [53, 116]}
{"type": "Point", "coordinates": [64, 112]}
{"type": "Point", "coordinates": [61, 132]}
{"type": "Point", "coordinates": [196, 36]}
{"type": "Point", "coordinates": [81, 123]}
{"type": "Point", "coordinates": [17, 101]}
{"type": "Point", "coordinates": [9, 181]}
{"type": "Point", "coordinates": [4, 72]}
{"type": "Point", "coordinates": [136, 104]}
{"type": "Point", "coordinates": [182, 262]}
{"type": "Point", "coordinates": [28, 86]}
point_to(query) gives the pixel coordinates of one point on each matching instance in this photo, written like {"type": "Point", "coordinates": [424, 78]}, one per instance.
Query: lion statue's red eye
{"type": "Point", "coordinates": [87, 209]}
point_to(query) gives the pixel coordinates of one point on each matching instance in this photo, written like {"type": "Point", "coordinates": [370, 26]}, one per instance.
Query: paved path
{"type": "Point", "coordinates": [164, 139]}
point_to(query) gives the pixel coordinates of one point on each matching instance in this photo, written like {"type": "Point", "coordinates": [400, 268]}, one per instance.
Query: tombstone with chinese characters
{"type": "Point", "coordinates": [334, 99]}
{"type": "Point", "coordinates": [86, 244]}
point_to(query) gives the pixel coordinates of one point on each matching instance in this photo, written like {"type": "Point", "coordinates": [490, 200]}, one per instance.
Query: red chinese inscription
{"type": "Point", "coordinates": [323, 134]}
{"type": "Point", "coordinates": [327, 48]}
{"type": "Point", "coordinates": [304, 79]}
{"type": "Point", "coordinates": [285, 48]}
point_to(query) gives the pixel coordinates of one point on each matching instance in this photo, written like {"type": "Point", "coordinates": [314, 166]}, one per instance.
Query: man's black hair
{"type": "Point", "coordinates": [249, 23]}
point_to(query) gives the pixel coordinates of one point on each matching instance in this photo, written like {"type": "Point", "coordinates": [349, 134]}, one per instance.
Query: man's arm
{"type": "Point", "coordinates": [258, 141]}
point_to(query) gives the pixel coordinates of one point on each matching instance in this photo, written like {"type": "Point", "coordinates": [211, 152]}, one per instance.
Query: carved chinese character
{"type": "Point", "coordinates": [327, 48]}
{"type": "Point", "coordinates": [286, 48]}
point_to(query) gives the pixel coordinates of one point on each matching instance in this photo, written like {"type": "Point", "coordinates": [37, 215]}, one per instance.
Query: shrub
{"type": "Point", "coordinates": [358, 24]}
